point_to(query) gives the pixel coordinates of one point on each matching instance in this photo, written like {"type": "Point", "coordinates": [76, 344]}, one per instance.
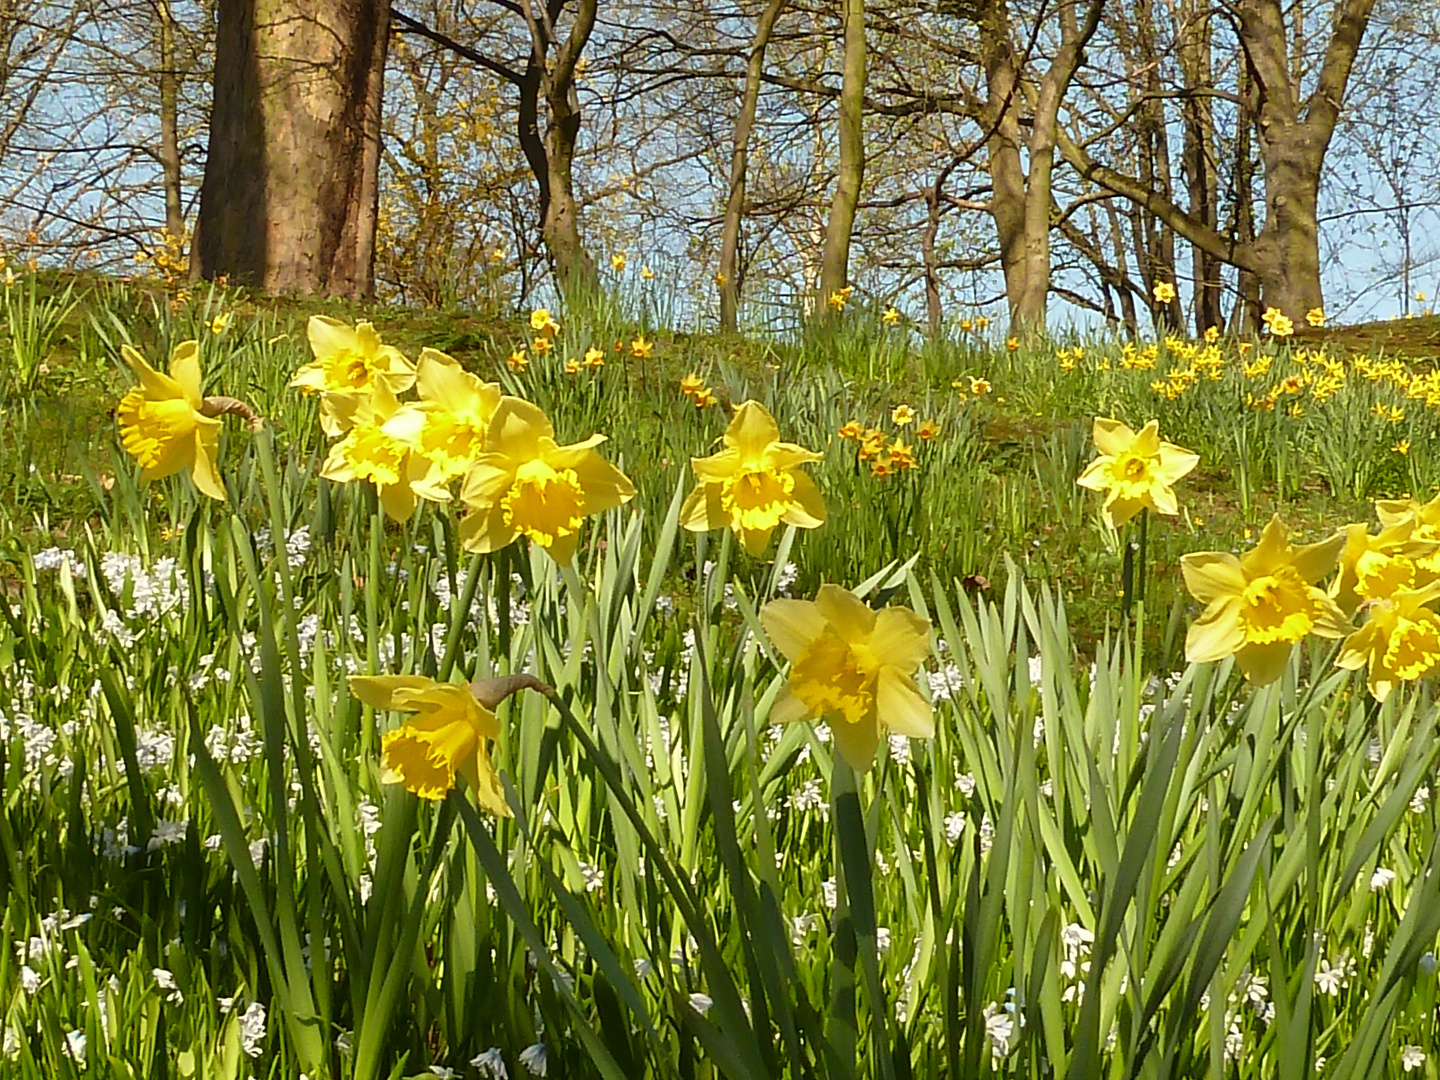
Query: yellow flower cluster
{"type": "Point", "coordinates": [887, 456]}
{"type": "Point", "coordinates": [517, 480]}
{"type": "Point", "coordinates": [694, 388]}
{"type": "Point", "coordinates": [1261, 605]}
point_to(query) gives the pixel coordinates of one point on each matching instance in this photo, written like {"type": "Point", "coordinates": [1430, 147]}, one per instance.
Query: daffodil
{"type": "Point", "coordinates": [380, 448]}
{"type": "Point", "coordinates": [220, 323]}
{"type": "Point", "coordinates": [350, 362]}
{"type": "Point", "coordinates": [527, 484]}
{"type": "Point", "coordinates": [890, 316]}
{"type": "Point", "coordinates": [1375, 567]}
{"type": "Point", "coordinates": [851, 429]}
{"type": "Point", "coordinates": [517, 360]}
{"type": "Point", "coordinates": [1164, 292]}
{"type": "Point", "coordinates": [640, 348]}
{"type": "Point", "coordinates": [445, 738]}
{"type": "Point", "coordinates": [164, 424]}
{"type": "Point", "coordinates": [902, 415]}
{"type": "Point", "coordinates": [1426, 518]}
{"type": "Point", "coordinates": [1135, 470]}
{"type": "Point", "coordinates": [646, 273]}
{"type": "Point", "coordinates": [1012, 343]}
{"type": "Point", "coordinates": [705, 397]}
{"type": "Point", "coordinates": [448, 424]}
{"type": "Point", "coordinates": [543, 323]}
{"type": "Point", "coordinates": [617, 262]}
{"type": "Point", "coordinates": [594, 357]}
{"type": "Point", "coordinates": [691, 385]}
{"type": "Point", "coordinates": [928, 430]}
{"type": "Point", "coordinates": [1315, 316]}
{"type": "Point", "coordinates": [1400, 641]}
{"type": "Point", "coordinates": [852, 666]}
{"type": "Point", "coordinates": [1259, 606]}
{"type": "Point", "coordinates": [754, 484]}
{"type": "Point", "coordinates": [979, 387]}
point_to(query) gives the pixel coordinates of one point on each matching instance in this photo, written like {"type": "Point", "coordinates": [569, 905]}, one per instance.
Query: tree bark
{"type": "Point", "coordinates": [1198, 157]}
{"type": "Point", "coordinates": [290, 195]}
{"type": "Point", "coordinates": [169, 79]}
{"type": "Point", "coordinates": [739, 163]}
{"type": "Point", "coordinates": [575, 271]}
{"type": "Point", "coordinates": [835, 263]}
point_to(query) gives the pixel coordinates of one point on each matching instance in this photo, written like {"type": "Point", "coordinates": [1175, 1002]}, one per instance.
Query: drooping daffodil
{"type": "Point", "coordinates": [168, 425]}
{"type": "Point", "coordinates": [754, 484]}
{"type": "Point", "coordinates": [852, 666]}
{"type": "Point", "coordinates": [1135, 470]}
{"type": "Point", "coordinates": [1261, 605]}
{"type": "Point", "coordinates": [446, 737]}
{"type": "Point", "coordinates": [527, 484]}
{"type": "Point", "coordinates": [350, 362]}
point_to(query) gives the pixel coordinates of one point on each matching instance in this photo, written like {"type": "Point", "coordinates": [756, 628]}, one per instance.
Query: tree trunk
{"type": "Point", "coordinates": [739, 159]}
{"type": "Point", "coordinates": [170, 122]}
{"type": "Point", "coordinates": [290, 195]}
{"type": "Point", "coordinates": [1198, 161]}
{"type": "Point", "coordinates": [560, 224]}
{"type": "Point", "coordinates": [835, 263]}
{"type": "Point", "coordinates": [1007, 172]}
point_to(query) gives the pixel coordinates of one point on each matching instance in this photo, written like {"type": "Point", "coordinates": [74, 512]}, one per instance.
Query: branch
{"type": "Point", "coordinates": [494, 67]}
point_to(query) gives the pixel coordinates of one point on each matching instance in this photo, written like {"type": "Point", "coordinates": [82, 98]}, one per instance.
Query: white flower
{"type": "Point", "coordinates": [966, 783]}
{"type": "Point", "coordinates": [490, 1064]}
{"type": "Point", "coordinates": [1381, 879]}
{"type": "Point", "coordinates": [954, 826]}
{"type": "Point", "coordinates": [701, 1003]}
{"type": "Point", "coordinates": [594, 877]}
{"type": "Point", "coordinates": [29, 979]}
{"type": "Point", "coordinates": [443, 1071]}
{"type": "Point", "coordinates": [1411, 1058]}
{"type": "Point", "coordinates": [533, 1058]}
{"type": "Point", "coordinates": [252, 1029]}
{"type": "Point", "coordinates": [809, 797]}
{"type": "Point", "coordinates": [827, 889]}
{"type": "Point", "coordinates": [643, 968]}
{"type": "Point", "coordinates": [1037, 670]}
{"type": "Point", "coordinates": [165, 980]}
{"type": "Point", "coordinates": [882, 939]}
{"type": "Point", "coordinates": [75, 1047]}
{"type": "Point", "coordinates": [1331, 980]}
{"type": "Point", "coordinates": [900, 749]}
{"type": "Point", "coordinates": [999, 1029]}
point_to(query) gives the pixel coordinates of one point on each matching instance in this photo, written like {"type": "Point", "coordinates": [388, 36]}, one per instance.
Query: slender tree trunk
{"type": "Point", "coordinates": [170, 121]}
{"type": "Point", "coordinates": [290, 196]}
{"type": "Point", "coordinates": [1007, 172]}
{"type": "Point", "coordinates": [739, 159]}
{"type": "Point", "coordinates": [835, 263]}
{"type": "Point", "coordinates": [560, 225]}
{"type": "Point", "coordinates": [1198, 161]}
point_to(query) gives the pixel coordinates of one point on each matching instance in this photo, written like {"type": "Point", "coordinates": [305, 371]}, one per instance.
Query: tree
{"type": "Point", "coordinates": [289, 199]}
{"type": "Point", "coordinates": [835, 262]}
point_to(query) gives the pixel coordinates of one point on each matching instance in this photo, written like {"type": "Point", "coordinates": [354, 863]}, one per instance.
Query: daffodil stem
{"type": "Point", "coordinates": [501, 569]}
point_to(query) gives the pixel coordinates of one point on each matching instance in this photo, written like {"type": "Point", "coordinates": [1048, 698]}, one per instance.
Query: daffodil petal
{"type": "Point", "coordinates": [1111, 437]}
{"type": "Point", "coordinates": [1263, 664]}
{"type": "Point", "coordinates": [856, 742]}
{"type": "Point", "coordinates": [185, 370]}
{"type": "Point", "coordinates": [808, 510]}
{"type": "Point", "coordinates": [901, 706]}
{"type": "Point", "coordinates": [792, 625]}
{"type": "Point", "coordinates": [1216, 634]}
{"type": "Point", "coordinates": [378, 691]}
{"type": "Point", "coordinates": [901, 639]}
{"type": "Point", "coordinates": [752, 430]}
{"type": "Point", "coordinates": [849, 616]}
{"type": "Point", "coordinates": [1211, 575]}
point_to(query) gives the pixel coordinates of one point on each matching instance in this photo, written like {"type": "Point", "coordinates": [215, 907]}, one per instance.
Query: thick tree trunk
{"type": "Point", "coordinates": [290, 195]}
{"type": "Point", "coordinates": [1288, 248]}
{"type": "Point", "coordinates": [1007, 171]}
{"type": "Point", "coordinates": [739, 161]}
{"type": "Point", "coordinates": [835, 263]}
{"type": "Point", "coordinates": [170, 122]}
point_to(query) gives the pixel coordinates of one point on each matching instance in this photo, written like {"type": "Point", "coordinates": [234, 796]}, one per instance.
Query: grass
{"type": "Point", "coordinates": [1106, 862]}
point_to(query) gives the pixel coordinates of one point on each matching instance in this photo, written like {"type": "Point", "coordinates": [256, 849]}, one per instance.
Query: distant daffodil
{"type": "Point", "coordinates": [1260, 605]}
{"type": "Point", "coordinates": [527, 484]}
{"type": "Point", "coordinates": [754, 484]}
{"type": "Point", "coordinates": [350, 362]}
{"type": "Point", "coordinates": [852, 666]}
{"type": "Point", "coordinates": [168, 425]}
{"type": "Point", "coordinates": [1135, 470]}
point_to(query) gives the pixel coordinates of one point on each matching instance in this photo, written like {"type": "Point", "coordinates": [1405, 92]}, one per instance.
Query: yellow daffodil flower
{"type": "Point", "coordinates": [350, 361]}
{"type": "Point", "coordinates": [220, 323]}
{"type": "Point", "coordinates": [928, 431]}
{"type": "Point", "coordinates": [1400, 641]}
{"type": "Point", "coordinates": [979, 387]}
{"type": "Point", "coordinates": [902, 455]}
{"type": "Point", "coordinates": [851, 429]}
{"type": "Point", "coordinates": [881, 468]}
{"type": "Point", "coordinates": [379, 448]}
{"type": "Point", "coordinates": [1259, 606]}
{"type": "Point", "coordinates": [981, 322]}
{"type": "Point", "coordinates": [1375, 567]}
{"type": "Point", "coordinates": [902, 415]}
{"type": "Point", "coordinates": [518, 361]}
{"type": "Point", "coordinates": [617, 263]}
{"type": "Point", "coordinates": [704, 398]}
{"type": "Point", "coordinates": [646, 274]}
{"type": "Point", "coordinates": [1212, 334]}
{"type": "Point", "coordinates": [640, 348]}
{"type": "Point", "coordinates": [541, 345]}
{"type": "Point", "coordinates": [691, 385]}
{"type": "Point", "coordinates": [163, 424]}
{"type": "Point", "coordinates": [527, 484]}
{"type": "Point", "coordinates": [1315, 316]}
{"type": "Point", "coordinates": [594, 357]}
{"type": "Point", "coordinates": [1135, 470]}
{"type": "Point", "coordinates": [890, 316]}
{"type": "Point", "coordinates": [966, 326]}
{"type": "Point", "coordinates": [445, 738]}
{"type": "Point", "coordinates": [572, 366]}
{"type": "Point", "coordinates": [852, 666]}
{"type": "Point", "coordinates": [543, 323]}
{"type": "Point", "coordinates": [754, 484]}
{"type": "Point", "coordinates": [448, 425]}
{"type": "Point", "coordinates": [1164, 292]}
{"type": "Point", "coordinates": [1012, 343]}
